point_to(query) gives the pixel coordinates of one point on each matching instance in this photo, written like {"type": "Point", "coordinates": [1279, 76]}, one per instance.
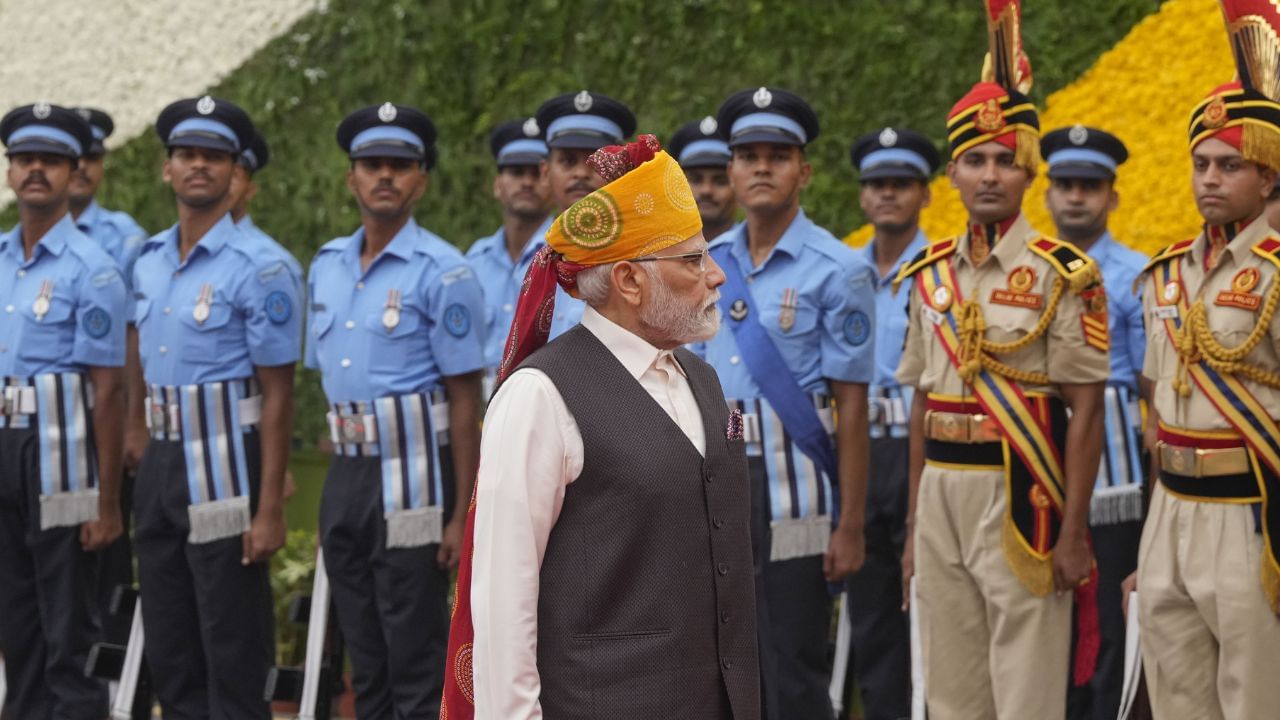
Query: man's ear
{"type": "Point", "coordinates": [626, 281]}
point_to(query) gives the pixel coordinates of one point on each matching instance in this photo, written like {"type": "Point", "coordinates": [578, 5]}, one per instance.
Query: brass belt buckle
{"type": "Point", "coordinates": [983, 429]}
{"type": "Point", "coordinates": [352, 430]}
{"type": "Point", "coordinates": [946, 427]}
{"type": "Point", "coordinates": [1223, 461]}
{"type": "Point", "coordinates": [159, 418]}
{"type": "Point", "coordinates": [1178, 460]}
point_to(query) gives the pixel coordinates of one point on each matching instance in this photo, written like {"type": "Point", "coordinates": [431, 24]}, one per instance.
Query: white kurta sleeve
{"type": "Point", "coordinates": [530, 451]}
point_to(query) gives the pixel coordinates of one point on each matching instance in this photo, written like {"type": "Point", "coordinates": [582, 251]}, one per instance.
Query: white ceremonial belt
{"type": "Point", "coordinates": [751, 422]}
{"type": "Point", "coordinates": [19, 400]}
{"type": "Point", "coordinates": [359, 428]}
{"type": "Point", "coordinates": [166, 418]}
{"type": "Point", "coordinates": [887, 412]}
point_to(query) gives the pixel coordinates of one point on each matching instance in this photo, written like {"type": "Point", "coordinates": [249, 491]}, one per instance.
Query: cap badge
{"type": "Point", "coordinates": [1078, 135]}
{"type": "Point", "coordinates": [990, 118]}
{"type": "Point", "coordinates": [41, 110]}
{"type": "Point", "coordinates": [205, 105]}
{"type": "Point", "coordinates": [763, 98]}
{"type": "Point", "coordinates": [708, 125]}
{"type": "Point", "coordinates": [1215, 113]}
{"type": "Point", "coordinates": [387, 113]}
{"type": "Point", "coordinates": [530, 127]}
{"type": "Point", "coordinates": [582, 102]}
{"type": "Point", "coordinates": [888, 138]}
{"type": "Point", "coordinates": [84, 114]}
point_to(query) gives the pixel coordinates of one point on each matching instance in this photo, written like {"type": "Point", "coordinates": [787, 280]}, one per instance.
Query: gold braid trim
{"type": "Point", "coordinates": [976, 351]}
{"type": "Point", "coordinates": [1035, 574]}
{"type": "Point", "coordinates": [1196, 342]}
{"type": "Point", "coordinates": [1270, 581]}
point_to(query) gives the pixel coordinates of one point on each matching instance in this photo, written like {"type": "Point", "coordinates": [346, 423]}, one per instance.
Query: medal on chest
{"type": "Point", "coordinates": [41, 305]}
{"type": "Point", "coordinates": [787, 311]}
{"type": "Point", "coordinates": [203, 302]}
{"type": "Point", "coordinates": [391, 312]}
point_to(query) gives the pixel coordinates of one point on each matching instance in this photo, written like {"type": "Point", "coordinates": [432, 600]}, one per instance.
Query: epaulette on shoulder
{"type": "Point", "coordinates": [1077, 268]}
{"type": "Point", "coordinates": [1269, 248]}
{"type": "Point", "coordinates": [923, 259]}
{"type": "Point", "coordinates": [1179, 248]}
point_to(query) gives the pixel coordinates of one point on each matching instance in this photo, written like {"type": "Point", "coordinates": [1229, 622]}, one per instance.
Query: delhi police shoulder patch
{"type": "Point", "coordinates": [457, 320]}
{"type": "Point", "coordinates": [857, 328]}
{"type": "Point", "coordinates": [279, 307]}
{"type": "Point", "coordinates": [96, 323]}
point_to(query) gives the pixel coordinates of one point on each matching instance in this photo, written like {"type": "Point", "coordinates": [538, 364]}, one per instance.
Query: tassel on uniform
{"type": "Point", "coordinates": [1261, 144]}
{"type": "Point", "coordinates": [218, 519]}
{"type": "Point", "coordinates": [799, 537]}
{"type": "Point", "coordinates": [1088, 640]}
{"type": "Point", "coordinates": [1114, 505]}
{"type": "Point", "coordinates": [68, 509]}
{"type": "Point", "coordinates": [1035, 574]}
{"type": "Point", "coordinates": [415, 528]}
{"type": "Point", "coordinates": [1027, 151]}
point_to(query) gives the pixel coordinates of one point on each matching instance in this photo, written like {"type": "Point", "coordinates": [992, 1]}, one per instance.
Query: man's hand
{"type": "Point", "coordinates": [908, 569]}
{"type": "Point", "coordinates": [266, 536]}
{"type": "Point", "coordinates": [451, 543]}
{"type": "Point", "coordinates": [98, 534]}
{"type": "Point", "coordinates": [135, 443]}
{"type": "Point", "coordinates": [1072, 562]}
{"type": "Point", "coordinates": [845, 553]}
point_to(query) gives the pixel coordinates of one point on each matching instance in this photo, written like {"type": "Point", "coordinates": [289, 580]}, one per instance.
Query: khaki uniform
{"type": "Point", "coordinates": [1210, 641]}
{"type": "Point", "coordinates": [992, 648]}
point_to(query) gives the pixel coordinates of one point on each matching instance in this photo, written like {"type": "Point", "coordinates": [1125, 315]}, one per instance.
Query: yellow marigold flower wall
{"type": "Point", "coordinates": [1142, 90]}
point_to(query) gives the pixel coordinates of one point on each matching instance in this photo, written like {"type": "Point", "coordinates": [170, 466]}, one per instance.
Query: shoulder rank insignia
{"type": "Point", "coordinates": [1269, 248]}
{"type": "Point", "coordinates": [1094, 319]}
{"type": "Point", "coordinates": [1181, 247]}
{"type": "Point", "coordinates": [1078, 269]}
{"type": "Point", "coordinates": [924, 259]}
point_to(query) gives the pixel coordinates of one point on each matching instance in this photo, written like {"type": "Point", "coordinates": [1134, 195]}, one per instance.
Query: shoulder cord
{"type": "Point", "coordinates": [1196, 342]}
{"type": "Point", "coordinates": [976, 351]}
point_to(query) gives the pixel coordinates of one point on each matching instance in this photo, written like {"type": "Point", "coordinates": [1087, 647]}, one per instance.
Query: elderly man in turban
{"type": "Point", "coordinates": [607, 570]}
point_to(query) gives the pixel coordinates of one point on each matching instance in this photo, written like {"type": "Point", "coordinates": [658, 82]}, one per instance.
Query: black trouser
{"type": "Point", "coordinates": [209, 623]}
{"type": "Point", "coordinates": [48, 616]}
{"type": "Point", "coordinates": [794, 626]}
{"type": "Point", "coordinates": [391, 603]}
{"type": "Point", "coordinates": [881, 635]}
{"type": "Point", "coordinates": [115, 567]}
{"type": "Point", "coordinates": [1115, 548]}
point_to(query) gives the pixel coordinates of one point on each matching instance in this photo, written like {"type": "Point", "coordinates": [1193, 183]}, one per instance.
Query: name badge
{"type": "Point", "coordinates": [1164, 312]}
{"type": "Point", "coordinates": [932, 315]}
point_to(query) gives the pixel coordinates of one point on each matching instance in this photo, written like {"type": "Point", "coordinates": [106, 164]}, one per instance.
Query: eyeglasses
{"type": "Point", "coordinates": [692, 259]}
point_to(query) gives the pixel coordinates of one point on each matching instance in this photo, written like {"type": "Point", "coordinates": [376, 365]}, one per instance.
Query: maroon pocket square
{"type": "Point", "coordinates": [734, 429]}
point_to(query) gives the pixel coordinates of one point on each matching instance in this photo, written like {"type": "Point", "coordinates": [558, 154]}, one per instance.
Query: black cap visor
{"type": "Point", "coordinates": [41, 145]}
{"type": "Point", "coordinates": [387, 149]}
{"type": "Point", "coordinates": [706, 160]}
{"type": "Point", "coordinates": [520, 160]}
{"type": "Point", "coordinates": [205, 140]}
{"type": "Point", "coordinates": [893, 171]}
{"type": "Point", "coordinates": [1080, 171]}
{"type": "Point", "coordinates": [765, 135]}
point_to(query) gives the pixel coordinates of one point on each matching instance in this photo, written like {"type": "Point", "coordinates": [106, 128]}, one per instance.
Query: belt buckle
{"type": "Point", "coordinates": [10, 400]}
{"type": "Point", "coordinates": [947, 427]}
{"type": "Point", "coordinates": [159, 418]}
{"type": "Point", "coordinates": [352, 430]}
{"type": "Point", "coordinates": [873, 411]}
{"type": "Point", "coordinates": [1179, 460]}
{"type": "Point", "coordinates": [983, 428]}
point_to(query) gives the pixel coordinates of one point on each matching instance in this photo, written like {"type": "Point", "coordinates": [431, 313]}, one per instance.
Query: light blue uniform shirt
{"type": "Point", "coordinates": [501, 279]}
{"type": "Point", "coordinates": [254, 315]}
{"type": "Point", "coordinates": [438, 332]}
{"type": "Point", "coordinates": [275, 249]}
{"type": "Point", "coordinates": [85, 321]}
{"type": "Point", "coordinates": [890, 400]}
{"type": "Point", "coordinates": [1120, 266]}
{"type": "Point", "coordinates": [831, 335]}
{"type": "Point", "coordinates": [120, 235]}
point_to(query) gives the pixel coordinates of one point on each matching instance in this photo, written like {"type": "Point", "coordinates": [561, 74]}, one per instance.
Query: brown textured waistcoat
{"type": "Point", "coordinates": [646, 607]}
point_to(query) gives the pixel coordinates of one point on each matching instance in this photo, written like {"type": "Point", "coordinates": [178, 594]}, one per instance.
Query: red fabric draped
{"type": "Point", "coordinates": [530, 329]}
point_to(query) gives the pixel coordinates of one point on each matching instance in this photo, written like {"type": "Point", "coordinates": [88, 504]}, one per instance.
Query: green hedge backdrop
{"type": "Point", "coordinates": [472, 63]}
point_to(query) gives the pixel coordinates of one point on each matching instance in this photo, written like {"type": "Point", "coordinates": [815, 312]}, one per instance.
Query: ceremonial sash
{"type": "Point", "coordinates": [1117, 492]}
{"type": "Point", "coordinates": [207, 420]}
{"type": "Point", "coordinates": [773, 376]}
{"type": "Point", "coordinates": [1247, 417]}
{"type": "Point", "coordinates": [1034, 476]}
{"type": "Point", "coordinates": [406, 434]}
{"type": "Point", "coordinates": [58, 406]}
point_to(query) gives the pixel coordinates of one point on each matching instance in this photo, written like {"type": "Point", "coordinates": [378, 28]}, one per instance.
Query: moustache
{"type": "Point", "coordinates": [580, 187]}
{"type": "Point", "coordinates": [199, 174]}
{"type": "Point", "coordinates": [35, 178]}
